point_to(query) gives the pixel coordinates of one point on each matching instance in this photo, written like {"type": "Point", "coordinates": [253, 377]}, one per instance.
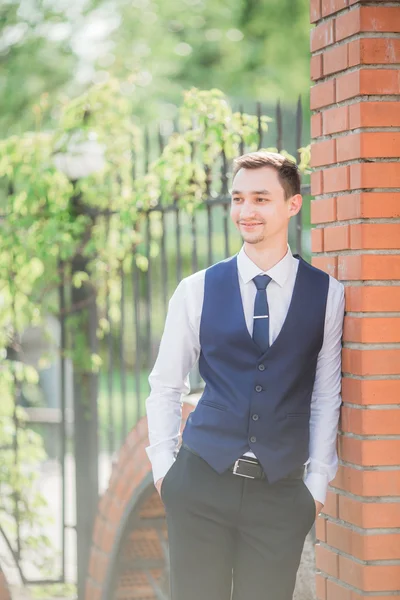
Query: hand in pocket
{"type": "Point", "coordinates": [158, 485]}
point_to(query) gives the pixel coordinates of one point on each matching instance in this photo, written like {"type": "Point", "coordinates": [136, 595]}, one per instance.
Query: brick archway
{"type": "Point", "coordinates": [4, 591]}
{"type": "Point", "coordinates": [128, 555]}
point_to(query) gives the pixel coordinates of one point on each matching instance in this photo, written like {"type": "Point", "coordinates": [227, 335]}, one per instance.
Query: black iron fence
{"type": "Point", "coordinates": [93, 413]}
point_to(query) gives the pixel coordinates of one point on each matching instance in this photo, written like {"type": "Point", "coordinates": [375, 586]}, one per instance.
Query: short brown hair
{"type": "Point", "coordinates": [288, 173]}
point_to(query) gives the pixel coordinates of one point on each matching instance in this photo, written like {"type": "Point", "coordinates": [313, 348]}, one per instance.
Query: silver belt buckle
{"type": "Point", "coordinates": [236, 466]}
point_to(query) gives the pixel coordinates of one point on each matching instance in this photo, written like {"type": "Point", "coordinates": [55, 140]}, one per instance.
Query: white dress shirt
{"type": "Point", "coordinates": [180, 349]}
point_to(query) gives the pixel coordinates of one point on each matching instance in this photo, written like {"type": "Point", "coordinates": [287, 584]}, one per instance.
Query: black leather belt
{"type": "Point", "coordinates": [247, 466]}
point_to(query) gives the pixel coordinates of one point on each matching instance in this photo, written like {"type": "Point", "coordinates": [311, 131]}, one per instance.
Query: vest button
{"type": "Point", "coordinates": [261, 367]}
{"type": "Point", "coordinates": [253, 439]}
{"type": "Point", "coordinates": [258, 388]}
{"type": "Point", "coordinates": [255, 417]}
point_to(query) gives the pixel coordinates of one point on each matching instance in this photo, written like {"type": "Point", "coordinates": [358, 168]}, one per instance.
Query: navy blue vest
{"type": "Point", "coordinates": [254, 401]}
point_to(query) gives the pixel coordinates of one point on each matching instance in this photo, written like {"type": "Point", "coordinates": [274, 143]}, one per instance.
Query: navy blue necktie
{"type": "Point", "coordinates": [261, 313]}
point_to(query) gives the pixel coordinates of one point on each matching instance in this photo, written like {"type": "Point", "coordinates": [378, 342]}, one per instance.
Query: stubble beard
{"type": "Point", "coordinates": [252, 238]}
{"type": "Point", "coordinates": [249, 239]}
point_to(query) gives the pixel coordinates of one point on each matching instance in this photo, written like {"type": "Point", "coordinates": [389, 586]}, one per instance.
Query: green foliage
{"type": "Point", "coordinates": [23, 511]}
{"type": "Point", "coordinates": [49, 221]}
{"type": "Point", "coordinates": [251, 49]}
{"type": "Point", "coordinates": [55, 591]}
{"type": "Point", "coordinates": [32, 60]}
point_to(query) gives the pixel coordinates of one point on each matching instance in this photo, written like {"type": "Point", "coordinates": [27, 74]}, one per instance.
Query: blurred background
{"type": "Point", "coordinates": [252, 50]}
{"type": "Point", "coordinates": [119, 120]}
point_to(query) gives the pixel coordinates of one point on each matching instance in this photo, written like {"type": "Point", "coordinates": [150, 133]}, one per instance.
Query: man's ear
{"type": "Point", "coordinates": [294, 204]}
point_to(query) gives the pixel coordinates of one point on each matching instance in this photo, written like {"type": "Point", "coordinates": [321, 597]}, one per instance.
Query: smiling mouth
{"type": "Point", "coordinates": [250, 224]}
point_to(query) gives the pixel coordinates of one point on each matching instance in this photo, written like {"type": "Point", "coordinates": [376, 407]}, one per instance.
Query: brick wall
{"type": "Point", "coordinates": [355, 101]}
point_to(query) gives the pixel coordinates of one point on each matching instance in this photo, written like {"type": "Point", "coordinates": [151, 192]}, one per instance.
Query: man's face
{"type": "Point", "coordinates": [258, 207]}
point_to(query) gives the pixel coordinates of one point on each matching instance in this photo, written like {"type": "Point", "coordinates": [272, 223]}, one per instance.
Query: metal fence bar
{"type": "Point", "coordinates": [164, 262]}
{"type": "Point", "coordinates": [160, 140]}
{"type": "Point", "coordinates": [148, 280]}
{"type": "Point", "coordinates": [110, 388]}
{"type": "Point", "coordinates": [63, 449]}
{"type": "Point", "coordinates": [195, 258]}
{"type": "Point", "coordinates": [110, 366]}
{"type": "Point", "coordinates": [146, 154]}
{"type": "Point", "coordinates": [226, 229]}
{"type": "Point", "coordinates": [260, 131]}
{"type": "Point", "coordinates": [241, 143]}
{"type": "Point", "coordinates": [279, 127]}
{"type": "Point", "coordinates": [224, 193]}
{"type": "Point", "coordinates": [178, 244]}
{"type": "Point", "coordinates": [209, 235]}
{"type": "Point", "coordinates": [298, 220]}
{"type": "Point", "coordinates": [17, 425]}
{"type": "Point", "coordinates": [136, 319]}
{"type": "Point", "coordinates": [122, 365]}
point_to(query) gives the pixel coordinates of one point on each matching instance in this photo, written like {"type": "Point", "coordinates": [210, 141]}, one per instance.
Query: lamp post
{"type": "Point", "coordinates": [81, 158]}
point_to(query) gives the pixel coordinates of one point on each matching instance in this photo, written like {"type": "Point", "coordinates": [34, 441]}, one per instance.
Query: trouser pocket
{"type": "Point", "coordinates": [310, 505]}
{"type": "Point", "coordinates": [168, 475]}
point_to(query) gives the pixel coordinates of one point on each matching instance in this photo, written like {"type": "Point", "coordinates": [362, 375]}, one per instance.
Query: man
{"type": "Point", "coordinates": [266, 328]}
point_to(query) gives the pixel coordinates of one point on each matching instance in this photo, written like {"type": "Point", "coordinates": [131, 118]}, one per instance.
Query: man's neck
{"type": "Point", "coordinates": [265, 258]}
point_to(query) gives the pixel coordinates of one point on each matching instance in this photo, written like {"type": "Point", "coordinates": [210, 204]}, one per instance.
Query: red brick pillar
{"type": "Point", "coordinates": [355, 101]}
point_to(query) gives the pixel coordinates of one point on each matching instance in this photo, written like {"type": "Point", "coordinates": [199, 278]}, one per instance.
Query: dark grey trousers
{"type": "Point", "coordinates": [232, 537]}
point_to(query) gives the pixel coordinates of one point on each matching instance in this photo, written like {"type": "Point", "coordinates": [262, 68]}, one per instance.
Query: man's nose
{"type": "Point", "coordinates": [247, 210]}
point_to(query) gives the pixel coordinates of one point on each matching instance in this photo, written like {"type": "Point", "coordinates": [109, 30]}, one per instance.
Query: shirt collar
{"type": "Point", "coordinates": [279, 272]}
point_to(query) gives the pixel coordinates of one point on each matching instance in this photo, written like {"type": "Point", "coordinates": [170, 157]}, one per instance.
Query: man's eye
{"type": "Point", "coordinates": [261, 199]}
{"type": "Point", "coordinates": [235, 199]}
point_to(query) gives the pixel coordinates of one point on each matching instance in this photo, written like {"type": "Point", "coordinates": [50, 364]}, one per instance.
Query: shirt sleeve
{"type": "Point", "coordinates": [169, 381]}
{"type": "Point", "coordinates": [326, 398]}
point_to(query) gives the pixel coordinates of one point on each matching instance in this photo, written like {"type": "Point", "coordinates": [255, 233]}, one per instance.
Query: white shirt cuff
{"type": "Point", "coordinates": [161, 462]}
{"type": "Point", "coordinates": [317, 484]}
